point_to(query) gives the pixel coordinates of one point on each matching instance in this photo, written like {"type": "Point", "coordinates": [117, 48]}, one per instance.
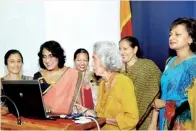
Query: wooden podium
{"type": "Point", "coordinates": [9, 122]}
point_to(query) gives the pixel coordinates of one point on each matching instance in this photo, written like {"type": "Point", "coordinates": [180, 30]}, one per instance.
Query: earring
{"type": "Point", "coordinates": [190, 42]}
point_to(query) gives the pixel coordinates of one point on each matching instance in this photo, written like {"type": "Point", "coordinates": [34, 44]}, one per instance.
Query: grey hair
{"type": "Point", "coordinates": [109, 55]}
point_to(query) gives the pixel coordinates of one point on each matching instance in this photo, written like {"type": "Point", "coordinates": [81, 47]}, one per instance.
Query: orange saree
{"type": "Point", "coordinates": [69, 89]}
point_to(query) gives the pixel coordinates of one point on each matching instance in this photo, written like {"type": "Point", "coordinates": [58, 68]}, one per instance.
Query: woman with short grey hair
{"type": "Point", "coordinates": [116, 97]}
{"type": "Point", "coordinates": [109, 54]}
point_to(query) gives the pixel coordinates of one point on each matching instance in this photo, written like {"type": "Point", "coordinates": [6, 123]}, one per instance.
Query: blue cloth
{"type": "Point", "coordinates": [174, 81]}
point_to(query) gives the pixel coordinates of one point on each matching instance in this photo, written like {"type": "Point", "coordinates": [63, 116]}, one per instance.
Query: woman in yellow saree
{"type": "Point", "coordinates": [192, 103]}
{"type": "Point", "coordinates": [116, 97]}
{"type": "Point", "coordinates": [61, 85]}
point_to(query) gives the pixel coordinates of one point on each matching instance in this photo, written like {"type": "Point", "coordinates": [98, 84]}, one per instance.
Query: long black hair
{"type": "Point", "coordinates": [56, 50]}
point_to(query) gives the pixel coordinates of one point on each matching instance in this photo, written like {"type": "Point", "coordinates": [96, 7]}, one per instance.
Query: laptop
{"type": "Point", "coordinates": [27, 96]}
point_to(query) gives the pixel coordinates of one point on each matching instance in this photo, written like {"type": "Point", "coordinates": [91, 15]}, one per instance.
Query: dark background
{"type": "Point", "coordinates": [151, 24]}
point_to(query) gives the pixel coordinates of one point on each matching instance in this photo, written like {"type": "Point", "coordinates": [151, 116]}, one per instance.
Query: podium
{"type": "Point", "coordinates": [9, 122]}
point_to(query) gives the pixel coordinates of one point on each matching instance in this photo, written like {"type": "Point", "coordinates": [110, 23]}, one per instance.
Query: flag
{"type": "Point", "coordinates": [125, 18]}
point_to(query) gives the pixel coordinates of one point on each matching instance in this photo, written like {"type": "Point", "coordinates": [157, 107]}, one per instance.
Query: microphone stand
{"type": "Point", "coordinates": [19, 122]}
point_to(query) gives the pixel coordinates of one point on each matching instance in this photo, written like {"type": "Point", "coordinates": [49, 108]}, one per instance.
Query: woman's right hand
{"type": "Point", "coordinates": [77, 108]}
{"type": "Point", "coordinates": [158, 103]}
{"type": "Point", "coordinates": [48, 109]}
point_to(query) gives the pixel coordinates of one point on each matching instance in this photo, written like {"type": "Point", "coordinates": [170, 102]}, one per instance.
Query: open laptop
{"type": "Point", "coordinates": [27, 96]}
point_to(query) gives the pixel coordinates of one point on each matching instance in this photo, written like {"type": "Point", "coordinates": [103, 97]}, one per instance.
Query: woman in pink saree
{"type": "Point", "coordinates": [61, 86]}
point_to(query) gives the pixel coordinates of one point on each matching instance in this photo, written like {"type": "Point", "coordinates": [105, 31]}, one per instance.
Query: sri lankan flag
{"type": "Point", "coordinates": [125, 18]}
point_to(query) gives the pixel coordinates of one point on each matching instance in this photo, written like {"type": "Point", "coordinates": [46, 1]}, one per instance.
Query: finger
{"type": "Point", "coordinates": [78, 105]}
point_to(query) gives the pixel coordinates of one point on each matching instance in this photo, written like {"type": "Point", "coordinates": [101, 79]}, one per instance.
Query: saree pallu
{"type": "Point", "coordinates": [174, 82]}
{"type": "Point", "coordinates": [67, 91]}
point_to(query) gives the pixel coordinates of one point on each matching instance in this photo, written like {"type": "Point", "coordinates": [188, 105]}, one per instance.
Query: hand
{"type": "Point", "coordinates": [48, 109]}
{"type": "Point", "coordinates": [77, 108]}
{"type": "Point", "coordinates": [89, 112]}
{"type": "Point", "coordinates": [74, 110]}
{"type": "Point", "coordinates": [4, 110]}
{"type": "Point", "coordinates": [158, 103]}
{"type": "Point", "coordinates": [80, 109]}
{"type": "Point", "coordinates": [152, 126]}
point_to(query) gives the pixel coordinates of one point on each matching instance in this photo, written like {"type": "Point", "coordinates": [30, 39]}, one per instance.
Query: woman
{"type": "Point", "coordinates": [174, 112]}
{"type": "Point", "coordinates": [61, 85]}
{"type": "Point", "coordinates": [145, 76]}
{"type": "Point", "coordinates": [116, 97]}
{"type": "Point", "coordinates": [81, 61]}
{"type": "Point", "coordinates": [13, 60]}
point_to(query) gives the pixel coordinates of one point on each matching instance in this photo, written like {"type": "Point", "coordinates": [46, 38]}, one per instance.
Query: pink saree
{"type": "Point", "coordinates": [61, 96]}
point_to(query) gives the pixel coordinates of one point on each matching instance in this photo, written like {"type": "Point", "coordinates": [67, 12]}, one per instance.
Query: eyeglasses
{"type": "Point", "coordinates": [47, 57]}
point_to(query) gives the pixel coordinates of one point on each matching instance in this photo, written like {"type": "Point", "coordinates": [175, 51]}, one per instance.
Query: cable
{"type": "Point", "coordinates": [91, 118]}
{"type": "Point", "coordinates": [19, 122]}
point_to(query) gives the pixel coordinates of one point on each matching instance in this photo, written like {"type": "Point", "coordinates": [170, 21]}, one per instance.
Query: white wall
{"type": "Point", "coordinates": [26, 24]}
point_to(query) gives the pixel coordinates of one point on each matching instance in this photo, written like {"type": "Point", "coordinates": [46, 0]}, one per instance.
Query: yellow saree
{"type": "Point", "coordinates": [192, 103]}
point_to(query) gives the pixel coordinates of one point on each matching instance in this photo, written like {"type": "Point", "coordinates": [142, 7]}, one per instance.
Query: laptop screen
{"type": "Point", "coordinates": [27, 96]}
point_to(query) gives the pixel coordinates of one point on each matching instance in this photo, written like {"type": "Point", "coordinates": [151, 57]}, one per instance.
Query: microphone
{"type": "Point", "coordinates": [19, 122]}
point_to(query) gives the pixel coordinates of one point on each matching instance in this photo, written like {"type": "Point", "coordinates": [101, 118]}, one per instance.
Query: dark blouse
{"type": "Point", "coordinates": [43, 83]}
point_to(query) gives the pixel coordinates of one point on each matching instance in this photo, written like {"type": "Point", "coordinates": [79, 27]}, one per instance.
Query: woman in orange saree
{"type": "Point", "coordinates": [116, 97]}
{"type": "Point", "coordinates": [61, 85]}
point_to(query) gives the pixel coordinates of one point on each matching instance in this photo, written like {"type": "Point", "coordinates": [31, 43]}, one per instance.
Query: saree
{"type": "Point", "coordinates": [174, 82]}
{"type": "Point", "coordinates": [192, 102]}
{"type": "Point", "coordinates": [67, 91]}
{"type": "Point", "coordinates": [146, 79]}
{"type": "Point", "coordinates": [118, 102]}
